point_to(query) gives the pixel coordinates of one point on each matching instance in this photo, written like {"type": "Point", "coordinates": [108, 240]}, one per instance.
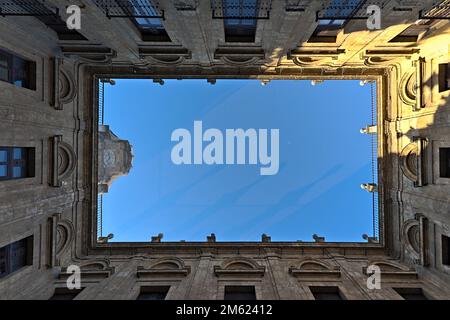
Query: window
{"type": "Point", "coordinates": [153, 293]}
{"type": "Point", "coordinates": [65, 294]}
{"type": "Point", "coordinates": [335, 16]}
{"type": "Point", "coordinates": [444, 162]}
{"type": "Point", "coordinates": [243, 27]}
{"type": "Point", "coordinates": [444, 77]}
{"type": "Point", "coordinates": [445, 244]}
{"type": "Point", "coordinates": [16, 255]}
{"type": "Point", "coordinates": [240, 293]}
{"type": "Point", "coordinates": [16, 163]}
{"type": "Point", "coordinates": [326, 293]}
{"type": "Point", "coordinates": [411, 34]}
{"type": "Point", "coordinates": [17, 71]}
{"type": "Point", "coordinates": [145, 19]}
{"type": "Point", "coordinates": [411, 293]}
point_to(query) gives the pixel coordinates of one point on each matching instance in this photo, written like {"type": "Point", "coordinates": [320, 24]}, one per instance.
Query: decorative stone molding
{"type": "Point", "coordinates": [240, 56]}
{"type": "Point", "coordinates": [165, 55]}
{"type": "Point", "coordinates": [64, 236]}
{"type": "Point", "coordinates": [407, 88]}
{"type": "Point", "coordinates": [62, 84]}
{"type": "Point", "coordinates": [411, 237]}
{"type": "Point", "coordinates": [413, 161]}
{"type": "Point", "coordinates": [59, 236]}
{"type": "Point", "coordinates": [92, 271]}
{"type": "Point", "coordinates": [391, 270]}
{"type": "Point", "coordinates": [63, 161]}
{"type": "Point", "coordinates": [240, 267]}
{"type": "Point", "coordinates": [166, 267]}
{"type": "Point", "coordinates": [311, 57]}
{"type": "Point", "coordinates": [313, 268]}
{"type": "Point", "coordinates": [408, 161]}
{"type": "Point", "coordinates": [415, 237]}
{"type": "Point", "coordinates": [383, 57]}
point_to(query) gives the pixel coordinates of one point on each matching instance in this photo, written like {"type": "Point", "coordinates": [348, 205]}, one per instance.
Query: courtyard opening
{"type": "Point", "coordinates": [180, 160]}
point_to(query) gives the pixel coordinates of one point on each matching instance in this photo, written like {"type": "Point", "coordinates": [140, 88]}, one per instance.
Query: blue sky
{"type": "Point", "coordinates": [323, 160]}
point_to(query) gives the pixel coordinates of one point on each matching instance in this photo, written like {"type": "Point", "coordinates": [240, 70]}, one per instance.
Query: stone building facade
{"type": "Point", "coordinates": [49, 138]}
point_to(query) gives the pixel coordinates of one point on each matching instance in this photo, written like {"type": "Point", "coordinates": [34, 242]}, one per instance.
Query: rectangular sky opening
{"type": "Point", "coordinates": [238, 159]}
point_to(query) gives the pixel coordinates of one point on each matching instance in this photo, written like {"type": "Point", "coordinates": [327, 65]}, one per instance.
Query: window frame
{"type": "Point", "coordinates": [27, 162]}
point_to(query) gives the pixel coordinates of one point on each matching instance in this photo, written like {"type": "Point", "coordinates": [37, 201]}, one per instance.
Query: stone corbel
{"type": "Point", "coordinates": [55, 64]}
{"type": "Point", "coordinates": [241, 268]}
{"type": "Point", "coordinates": [239, 55]}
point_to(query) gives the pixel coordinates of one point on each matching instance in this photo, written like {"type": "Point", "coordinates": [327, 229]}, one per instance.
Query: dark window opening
{"type": "Point", "coordinates": [410, 34]}
{"type": "Point", "coordinates": [153, 293]}
{"type": "Point", "coordinates": [65, 294]}
{"type": "Point", "coordinates": [243, 27]}
{"type": "Point", "coordinates": [444, 77]}
{"type": "Point", "coordinates": [240, 293]}
{"type": "Point", "coordinates": [147, 21]}
{"type": "Point", "coordinates": [16, 163]}
{"type": "Point", "coordinates": [15, 256]}
{"type": "Point", "coordinates": [17, 71]}
{"type": "Point", "coordinates": [326, 293]}
{"type": "Point", "coordinates": [444, 162]}
{"type": "Point", "coordinates": [411, 293]}
{"type": "Point", "coordinates": [445, 244]}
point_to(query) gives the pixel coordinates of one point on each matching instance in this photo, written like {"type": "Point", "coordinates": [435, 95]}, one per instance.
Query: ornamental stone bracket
{"type": "Point", "coordinates": [313, 57]}
{"type": "Point", "coordinates": [63, 85]}
{"type": "Point", "coordinates": [91, 272]}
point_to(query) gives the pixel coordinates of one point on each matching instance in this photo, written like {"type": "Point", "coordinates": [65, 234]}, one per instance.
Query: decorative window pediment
{"type": "Point", "coordinates": [172, 267]}
{"type": "Point", "coordinates": [241, 267]}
